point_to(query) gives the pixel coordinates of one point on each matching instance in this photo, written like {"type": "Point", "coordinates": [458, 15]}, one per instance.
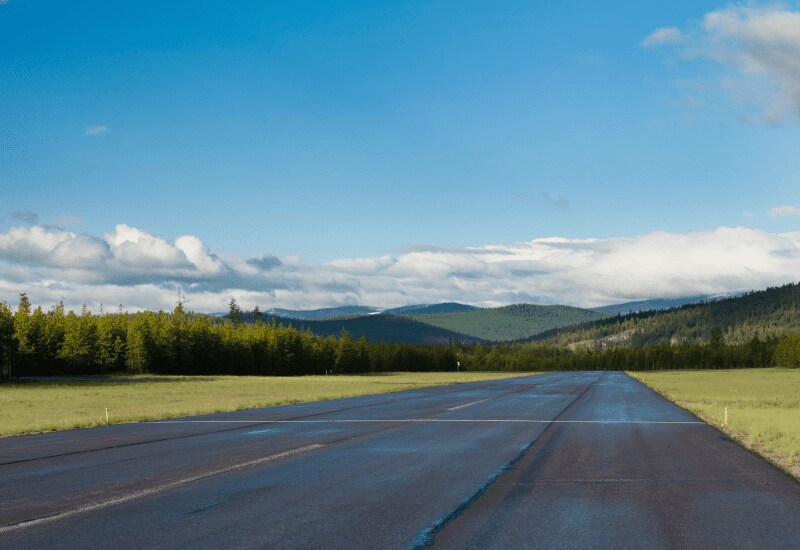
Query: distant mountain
{"type": "Point", "coordinates": [510, 322]}
{"type": "Point", "coordinates": [651, 305]}
{"type": "Point", "coordinates": [425, 309]}
{"type": "Point", "coordinates": [766, 313]}
{"type": "Point", "coordinates": [660, 304]}
{"type": "Point", "coordinates": [380, 328]}
{"type": "Point", "coordinates": [321, 314]}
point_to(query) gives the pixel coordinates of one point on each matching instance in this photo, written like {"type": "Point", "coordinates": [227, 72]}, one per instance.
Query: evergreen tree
{"type": "Point", "coordinates": [717, 340]}
{"type": "Point", "coordinates": [234, 312]}
{"type": "Point", "coordinates": [22, 328]}
{"type": "Point", "coordinates": [6, 340]}
{"type": "Point", "coordinates": [138, 344]}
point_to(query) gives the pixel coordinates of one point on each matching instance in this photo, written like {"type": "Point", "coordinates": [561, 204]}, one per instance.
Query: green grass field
{"type": "Point", "coordinates": [37, 406]}
{"type": "Point", "coordinates": [763, 406]}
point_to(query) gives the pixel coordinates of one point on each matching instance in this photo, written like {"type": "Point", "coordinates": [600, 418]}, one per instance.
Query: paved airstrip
{"type": "Point", "coordinates": [562, 460]}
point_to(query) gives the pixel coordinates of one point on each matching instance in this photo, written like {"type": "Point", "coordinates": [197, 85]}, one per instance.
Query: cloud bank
{"type": "Point", "coordinates": [756, 51]}
{"type": "Point", "coordinates": [139, 270]}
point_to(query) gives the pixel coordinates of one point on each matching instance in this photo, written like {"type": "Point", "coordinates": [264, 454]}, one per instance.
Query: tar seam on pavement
{"type": "Point", "coordinates": [427, 537]}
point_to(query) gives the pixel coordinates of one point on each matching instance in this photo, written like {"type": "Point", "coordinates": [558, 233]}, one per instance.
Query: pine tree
{"type": "Point", "coordinates": [6, 340]}
{"type": "Point", "coordinates": [234, 312]}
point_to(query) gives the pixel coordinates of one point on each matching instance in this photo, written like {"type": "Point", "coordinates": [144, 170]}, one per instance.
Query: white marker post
{"type": "Point", "coordinates": [726, 416]}
{"type": "Point", "coordinates": [106, 415]}
{"type": "Point", "coordinates": [458, 366]}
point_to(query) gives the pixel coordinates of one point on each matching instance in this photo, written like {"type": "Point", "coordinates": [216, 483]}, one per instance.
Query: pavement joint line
{"type": "Point", "coordinates": [474, 385]}
{"type": "Point", "coordinates": [401, 420]}
{"type": "Point", "coordinates": [468, 404]}
{"type": "Point", "coordinates": [154, 490]}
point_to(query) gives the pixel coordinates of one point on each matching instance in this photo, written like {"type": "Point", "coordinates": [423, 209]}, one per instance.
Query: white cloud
{"type": "Point", "coordinates": [98, 130]}
{"type": "Point", "coordinates": [664, 35]}
{"type": "Point", "coordinates": [198, 253]}
{"type": "Point", "coordinates": [141, 270]}
{"type": "Point", "coordinates": [757, 49]}
{"type": "Point", "coordinates": [138, 250]}
{"type": "Point", "coordinates": [34, 244]}
{"type": "Point", "coordinates": [784, 210]}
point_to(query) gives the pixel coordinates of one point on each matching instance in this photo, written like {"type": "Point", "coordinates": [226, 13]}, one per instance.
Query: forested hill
{"type": "Point", "coordinates": [654, 304]}
{"type": "Point", "coordinates": [510, 322]}
{"type": "Point", "coordinates": [424, 309]}
{"type": "Point", "coordinates": [342, 312]}
{"type": "Point", "coordinates": [765, 314]}
{"type": "Point", "coordinates": [323, 313]}
{"type": "Point", "coordinates": [380, 328]}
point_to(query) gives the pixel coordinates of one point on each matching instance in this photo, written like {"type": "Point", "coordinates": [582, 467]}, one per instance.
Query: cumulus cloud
{"type": "Point", "coordinates": [98, 130]}
{"type": "Point", "coordinates": [757, 51]}
{"type": "Point", "coordinates": [141, 270]}
{"type": "Point", "coordinates": [31, 245]}
{"type": "Point", "coordinates": [784, 210]}
{"type": "Point", "coordinates": [124, 254]}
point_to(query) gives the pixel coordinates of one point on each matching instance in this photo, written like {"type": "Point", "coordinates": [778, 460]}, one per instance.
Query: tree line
{"type": "Point", "coordinates": [37, 342]}
{"type": "Point", "coordinates": [773, 352]}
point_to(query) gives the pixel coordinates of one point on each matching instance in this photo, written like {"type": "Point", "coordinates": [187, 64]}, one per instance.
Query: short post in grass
{"type": "Point", "coordinates": [106, 415]}
{"type": "Point", "coordinates": [726, 416]}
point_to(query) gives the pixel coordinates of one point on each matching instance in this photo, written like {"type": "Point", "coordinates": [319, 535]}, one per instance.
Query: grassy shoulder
{"type": "Point", "coordinates": [47, 405]}
{"type": "Point", "coordinates": [763, 406]}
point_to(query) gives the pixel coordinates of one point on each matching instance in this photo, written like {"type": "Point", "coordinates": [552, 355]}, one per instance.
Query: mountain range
{"type": "Point", "coordinates": [764, 313]}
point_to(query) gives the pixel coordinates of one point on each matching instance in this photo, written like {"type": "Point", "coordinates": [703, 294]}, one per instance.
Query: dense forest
{"type": "Point", "coordinates": [35, 342]}
{"type": "Point", "coordinates": [774, 352]}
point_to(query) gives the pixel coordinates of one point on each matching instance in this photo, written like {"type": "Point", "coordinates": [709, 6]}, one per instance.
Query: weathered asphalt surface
{"type": "Point", "coordinates": [563, 460]}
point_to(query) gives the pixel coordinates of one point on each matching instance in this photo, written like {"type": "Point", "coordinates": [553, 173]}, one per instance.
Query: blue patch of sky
{"type": "Point", "coordinates": [331, 130]}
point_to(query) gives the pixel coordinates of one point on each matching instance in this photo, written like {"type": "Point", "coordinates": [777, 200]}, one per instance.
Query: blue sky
{"type": "Point", "coordinates": [319, 133]}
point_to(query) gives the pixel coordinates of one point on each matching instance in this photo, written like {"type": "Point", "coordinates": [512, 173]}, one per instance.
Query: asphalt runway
{"type": "Point", "coordinates": [561, 460]}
